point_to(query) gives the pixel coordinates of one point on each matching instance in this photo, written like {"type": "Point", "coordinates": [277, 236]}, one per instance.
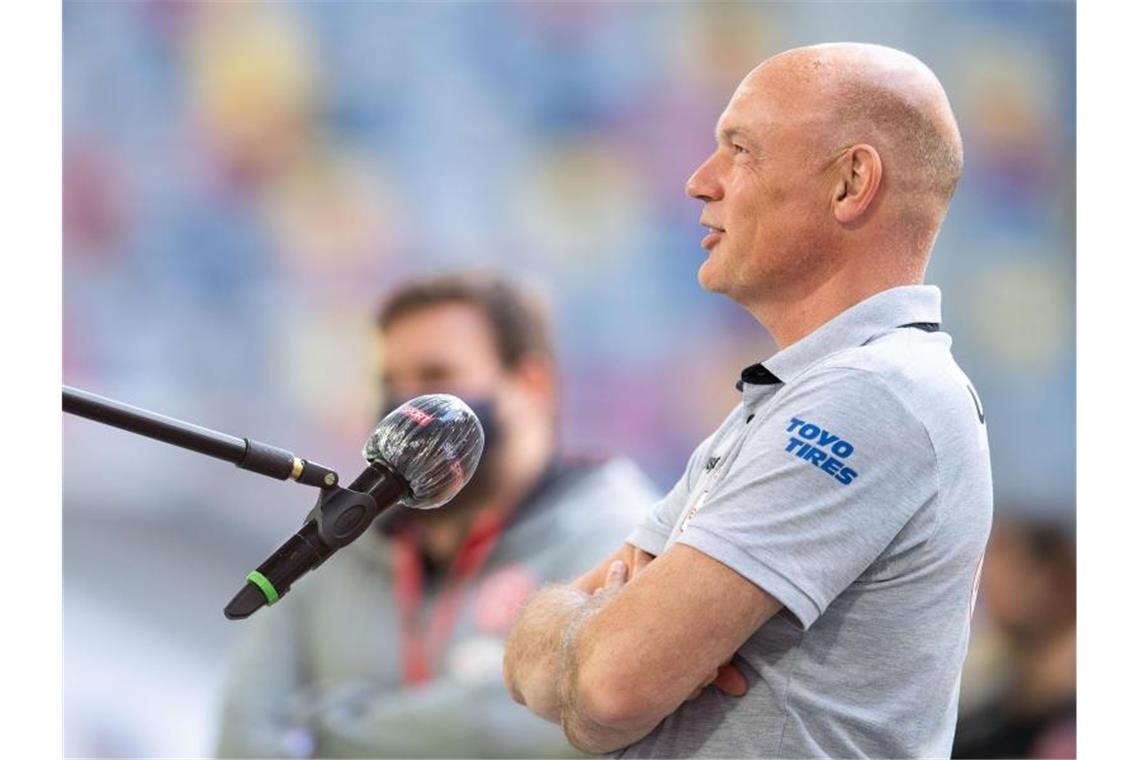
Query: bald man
{"type": "Point", "coordinates": [806, 587]}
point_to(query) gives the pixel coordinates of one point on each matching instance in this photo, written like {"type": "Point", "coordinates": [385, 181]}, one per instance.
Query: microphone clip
{"type": "Point", "coordinates": [342, 515]}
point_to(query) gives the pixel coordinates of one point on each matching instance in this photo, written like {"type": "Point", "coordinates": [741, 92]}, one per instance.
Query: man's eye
{"type": "Point", "coordinates": [737, 149]}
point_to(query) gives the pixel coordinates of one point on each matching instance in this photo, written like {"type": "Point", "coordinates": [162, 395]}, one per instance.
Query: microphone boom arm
{"type": "Point", "coordinates": [246, 453]}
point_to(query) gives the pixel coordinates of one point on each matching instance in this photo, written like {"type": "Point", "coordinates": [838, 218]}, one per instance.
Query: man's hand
{"type": "Point", "coordinates": [726, 678]}
{"type": "Point", "coordinates": [616, 577]}
{"type": "Point", "coordinates": [599, 577]}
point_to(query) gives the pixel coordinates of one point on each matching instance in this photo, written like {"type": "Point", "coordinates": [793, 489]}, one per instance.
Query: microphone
{"type": "Point", "coordinates": [420, 455]}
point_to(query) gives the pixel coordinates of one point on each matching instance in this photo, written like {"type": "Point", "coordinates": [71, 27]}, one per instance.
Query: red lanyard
{"type": "Point", "coordinates": [419, 648]}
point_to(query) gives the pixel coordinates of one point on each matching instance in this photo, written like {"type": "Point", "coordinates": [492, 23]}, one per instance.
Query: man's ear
{"type": "Point", "coordinates": [536, 374]}
{"type": "Point", "coordinates": [860, 170]}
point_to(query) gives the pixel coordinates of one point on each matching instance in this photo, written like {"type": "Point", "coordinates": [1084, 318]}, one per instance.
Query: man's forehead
{"type": "Point", "coordinates": [739, 114]}
{"type": "Point", "coordinates": [746, 111]}
{"type": "Point", "coordinates": [768, 98]}
{"type": "Point", "coordinates": [728, 129]}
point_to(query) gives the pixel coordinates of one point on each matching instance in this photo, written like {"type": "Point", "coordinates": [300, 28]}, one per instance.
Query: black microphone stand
{"type": "Point", "coordinates": [339, 516]}
{"type": "Point", "coordinates": [246, 453]}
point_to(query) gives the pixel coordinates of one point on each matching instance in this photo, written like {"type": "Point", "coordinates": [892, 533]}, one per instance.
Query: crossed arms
{"type": "Point", "coordinates": [613, 653]}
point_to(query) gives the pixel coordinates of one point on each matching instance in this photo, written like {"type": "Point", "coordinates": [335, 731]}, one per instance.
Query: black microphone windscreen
{"type": "Point", "coordinates": [433, 442]}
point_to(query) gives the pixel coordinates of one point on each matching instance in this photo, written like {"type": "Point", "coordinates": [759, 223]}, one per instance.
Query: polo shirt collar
{"type": "Point", "coordinates": [868, 319]}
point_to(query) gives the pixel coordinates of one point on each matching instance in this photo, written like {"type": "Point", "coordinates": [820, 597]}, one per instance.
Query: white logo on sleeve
{"type": "Point", "coordinates": [976, 584]}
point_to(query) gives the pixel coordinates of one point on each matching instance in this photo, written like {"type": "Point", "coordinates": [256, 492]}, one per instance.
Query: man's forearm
{"type": "Point", "coordinates": [542, 666]}
{"type": "Point", "coordinates": [532, 664]}
{"type": "Point", "coordinates": [594, 720]}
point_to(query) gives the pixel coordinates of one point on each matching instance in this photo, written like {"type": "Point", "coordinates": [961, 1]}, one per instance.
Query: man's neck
{"type": "Point", "coordinates": [443, 531]}
{"type": "Point", "coordinates": [441, 538]}
{"type": "Point", "coordinates": [796, 315]}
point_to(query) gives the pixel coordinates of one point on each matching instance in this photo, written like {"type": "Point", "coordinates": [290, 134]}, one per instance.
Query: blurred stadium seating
{"type": "Point", "coordinates": [243, 180]}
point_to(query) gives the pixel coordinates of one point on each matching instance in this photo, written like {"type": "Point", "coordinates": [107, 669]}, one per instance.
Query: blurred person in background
{"type": "Point", "coordinates": [816, 560]}
{"type": "Point", "coordinates": [395, 647]}
{"type": "Point", "coordinates": [1023, 661]}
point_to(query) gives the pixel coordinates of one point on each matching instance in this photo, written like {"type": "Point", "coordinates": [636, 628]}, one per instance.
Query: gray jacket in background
{"type": "Point", "coordinates": [320, 674]}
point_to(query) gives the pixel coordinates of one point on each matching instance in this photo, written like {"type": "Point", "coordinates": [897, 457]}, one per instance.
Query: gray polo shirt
{"type": "Point", "coordinates": [853, 484]}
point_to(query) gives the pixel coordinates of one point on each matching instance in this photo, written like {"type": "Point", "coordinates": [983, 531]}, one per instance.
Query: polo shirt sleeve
{"type": "Point", "coordinates": [653, 532]}
{"type": "Point", "coordinates": [824, 481]}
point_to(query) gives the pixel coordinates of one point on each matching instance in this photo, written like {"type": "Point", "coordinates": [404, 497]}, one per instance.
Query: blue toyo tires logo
{"type": "Point", "coordinates": [826, 450]}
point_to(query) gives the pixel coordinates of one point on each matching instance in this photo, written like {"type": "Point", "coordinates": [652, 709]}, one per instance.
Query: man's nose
{"type": "Point", "coordinates": [703, 185]}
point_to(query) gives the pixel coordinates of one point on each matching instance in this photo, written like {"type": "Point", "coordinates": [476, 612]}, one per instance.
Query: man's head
{"type": "Point", "coordinates": [1028, 586]}
{"type": "Point", "coordinates": [832, 161]}
{"type": "Point", "coordinates": [486, 341]}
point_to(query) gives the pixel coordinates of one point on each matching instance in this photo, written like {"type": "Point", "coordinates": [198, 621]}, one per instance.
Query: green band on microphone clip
{"type": "Point", "coordinates": [266, 587]}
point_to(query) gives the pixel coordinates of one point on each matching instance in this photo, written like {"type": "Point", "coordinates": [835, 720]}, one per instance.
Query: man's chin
{"type": "Point", "coordinates": [707, 278]}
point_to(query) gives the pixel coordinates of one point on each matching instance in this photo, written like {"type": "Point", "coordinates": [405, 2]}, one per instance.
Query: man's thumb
{"type": "Point", "coordinates": [730, 681]}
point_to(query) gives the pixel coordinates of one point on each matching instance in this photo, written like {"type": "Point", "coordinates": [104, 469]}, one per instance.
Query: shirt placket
{"type": "Point", "coordinates": [721, 460]}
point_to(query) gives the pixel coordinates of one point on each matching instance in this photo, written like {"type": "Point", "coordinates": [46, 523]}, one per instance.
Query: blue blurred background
{"type": "Point", "coordinates": [243, 181]}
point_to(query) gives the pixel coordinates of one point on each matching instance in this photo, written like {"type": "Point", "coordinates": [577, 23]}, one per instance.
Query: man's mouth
{"type": "Point", "coordinates": [714, 236]}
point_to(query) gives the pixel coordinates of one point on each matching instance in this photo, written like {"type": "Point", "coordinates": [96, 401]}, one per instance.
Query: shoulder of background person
{"type": "Point", "coordinates": [596, 498]}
